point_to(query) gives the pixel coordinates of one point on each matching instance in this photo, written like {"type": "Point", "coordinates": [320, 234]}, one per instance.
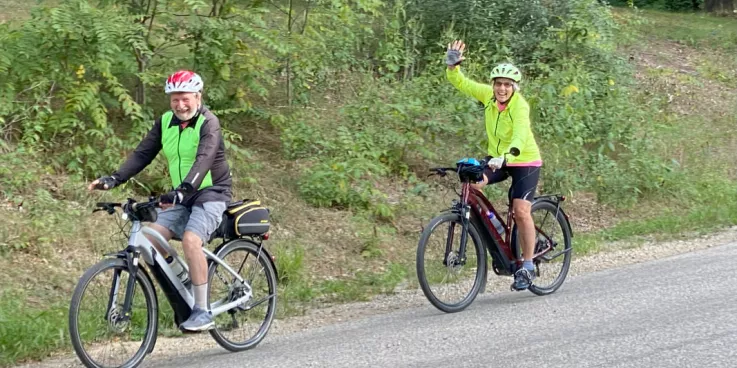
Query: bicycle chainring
{"type": "Point", "coordinates": [238, 292]}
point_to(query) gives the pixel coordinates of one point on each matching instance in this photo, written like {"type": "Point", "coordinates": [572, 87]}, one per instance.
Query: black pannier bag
{"type": "Point", "coordinates": [244, 218]}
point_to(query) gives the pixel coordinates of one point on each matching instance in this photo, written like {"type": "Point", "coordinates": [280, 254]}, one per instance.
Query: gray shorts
{"type": "Point", "coordinates": [202, 219]}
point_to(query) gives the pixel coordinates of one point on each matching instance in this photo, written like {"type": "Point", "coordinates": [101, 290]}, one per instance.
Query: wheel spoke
{"type": "Point", "coordinates": [450, 285]}
{"type": "Point", "coordinates": [101, 332]}
{"type": "Point", "coordinates": [245, 325]}
{"type": "Point", "coordinates": [552, 241]}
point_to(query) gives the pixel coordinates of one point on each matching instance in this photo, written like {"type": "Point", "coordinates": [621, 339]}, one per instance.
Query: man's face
{"type": "Point", "coordinates": [184, 104]}
{"type": "Point", "coordinates": [503, 89]}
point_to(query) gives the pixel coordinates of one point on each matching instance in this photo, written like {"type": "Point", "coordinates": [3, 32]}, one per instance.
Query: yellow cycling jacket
{"type": "Point", "coordinates": [505, 129]}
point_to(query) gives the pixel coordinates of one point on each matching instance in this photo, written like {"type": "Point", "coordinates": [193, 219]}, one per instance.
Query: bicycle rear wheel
{"type": "Point", "coordinates": [452, 277]}
{"type": "Point", "coordinates": [244, 326]}
{"type": "Point", "coordinates": [552, 231]}
{"type": "Point", "coordinates": [99, 330]}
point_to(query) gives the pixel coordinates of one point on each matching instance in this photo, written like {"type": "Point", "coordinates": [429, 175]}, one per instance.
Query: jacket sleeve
{"type": "Point", "coordinates": [520, 126]}
{"type": "Point", "coordinates": [143, 155]}
{"type": "Point", "coordinates": [210, 136]}
{"type": "Point", "coordinates": [479, 91]}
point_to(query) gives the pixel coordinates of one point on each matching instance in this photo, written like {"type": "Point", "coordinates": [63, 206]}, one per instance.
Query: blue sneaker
{"type": "Point", "coordinates": [199, 320]}
{"type": "Point", "coordinates": [523, 279]}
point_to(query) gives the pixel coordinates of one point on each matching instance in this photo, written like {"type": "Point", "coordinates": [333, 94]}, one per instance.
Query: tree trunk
{"type": "Point", "coordinates": [140, 97]}
{"type": "Point", "coordinates": [289, 57]}
{"type": "Point", "coordinates": [719, 6]}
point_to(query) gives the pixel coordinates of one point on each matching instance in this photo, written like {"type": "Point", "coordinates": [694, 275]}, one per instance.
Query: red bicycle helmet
{"type": "Point", "coordinates": [183, 81]}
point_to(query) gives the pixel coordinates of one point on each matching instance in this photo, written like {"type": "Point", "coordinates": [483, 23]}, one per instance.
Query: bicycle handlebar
{"type": "Point", "coordinates": [130, 206]}
{"type": "Point", "coordinates": [442, 171]}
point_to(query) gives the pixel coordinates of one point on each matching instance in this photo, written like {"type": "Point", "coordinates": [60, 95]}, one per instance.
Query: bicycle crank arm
{"type": "Point", "coordinates": [226, 307]}
{"type": "Point", "coordinates": [258, 302]}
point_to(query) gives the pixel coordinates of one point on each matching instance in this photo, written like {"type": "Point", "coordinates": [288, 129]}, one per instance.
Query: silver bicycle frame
{"type": "Point", "coordinates": [140, 243]}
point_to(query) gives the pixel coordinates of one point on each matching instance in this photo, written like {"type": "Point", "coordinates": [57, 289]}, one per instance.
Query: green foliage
{"type": "Point", "coordinates": [387, 130]}
{"type": "Point", "coordinates": [29, 331]}
{"type": "Point", "coordinates": [95, 74]}
{"type": "Point", "coordinates": [77, 76]}
{"type": "Point", "coordinates": [363, 285]}
{"type": "Point", "coordinates": [61, 90]}
{"type": "Point", "coordinates": [290, 263]}
{"type": "Point", "coordinates": [342, 183]}
{"type": "Point", "coordinates": [579, 91]}
{"type": "Point", "coordinates": [699, 30]}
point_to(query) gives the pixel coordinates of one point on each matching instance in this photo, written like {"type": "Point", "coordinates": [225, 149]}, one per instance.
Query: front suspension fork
{"type": "Point", "coordinates": [465, 216]}
{"type": "Point", "coordinates": [131, 258]}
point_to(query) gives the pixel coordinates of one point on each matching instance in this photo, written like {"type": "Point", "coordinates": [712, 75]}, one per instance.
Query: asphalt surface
{"type": "Point", "coordinates": [675, 312]}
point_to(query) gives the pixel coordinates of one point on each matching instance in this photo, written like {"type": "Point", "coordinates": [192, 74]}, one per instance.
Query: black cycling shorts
{"type": "Point", "coordinates": [524, 180]}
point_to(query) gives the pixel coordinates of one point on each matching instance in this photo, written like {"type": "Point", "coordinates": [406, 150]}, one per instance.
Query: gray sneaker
{"type": "Point", "coordinates": [523, 279]}
{"type": "Point", "coordinates": [199, 320]}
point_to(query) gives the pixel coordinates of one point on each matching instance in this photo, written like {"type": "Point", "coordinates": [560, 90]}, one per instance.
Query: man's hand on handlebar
{"type": "Point", "coordinates": [104, 183]}
{"type": "Point", "coordinates": [170, 199]}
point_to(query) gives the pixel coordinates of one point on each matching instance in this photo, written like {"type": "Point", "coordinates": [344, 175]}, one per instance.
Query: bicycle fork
{"type": "Point", "coordinates": [461, 258]}
{"type": "Point", "coordinates": [124, 315]}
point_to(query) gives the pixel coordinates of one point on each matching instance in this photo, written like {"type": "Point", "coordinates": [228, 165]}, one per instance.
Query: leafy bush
{"type": "Point", "coordinates": [77, 76]}
{"type": "Point", "coordinates": [579, 90]}
{"type": "Point", "coordinates": [76, 94]}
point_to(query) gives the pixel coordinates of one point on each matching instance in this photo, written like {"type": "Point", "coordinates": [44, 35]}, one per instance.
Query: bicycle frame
{"type": "Point", "coordinates": [472, 210]}
{"type": "Point", "coordinates": [506, 259]}
{"type": "Point", "coordinates": [180, 298]}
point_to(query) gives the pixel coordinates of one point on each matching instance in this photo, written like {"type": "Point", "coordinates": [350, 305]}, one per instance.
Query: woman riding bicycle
{"type": "Point", "coordinates": [508, 127]}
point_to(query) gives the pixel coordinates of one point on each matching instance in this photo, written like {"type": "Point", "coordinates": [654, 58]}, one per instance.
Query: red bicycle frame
{"type": "Point", "coordinates": [505, 258]}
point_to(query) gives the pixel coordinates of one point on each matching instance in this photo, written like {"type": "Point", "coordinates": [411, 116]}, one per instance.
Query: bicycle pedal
{"type": "Point", "coordinates": [512, 288]}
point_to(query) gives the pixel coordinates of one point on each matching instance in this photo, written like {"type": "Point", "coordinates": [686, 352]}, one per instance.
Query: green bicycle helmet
{"type": "Point", "coordinates": [506, 71]}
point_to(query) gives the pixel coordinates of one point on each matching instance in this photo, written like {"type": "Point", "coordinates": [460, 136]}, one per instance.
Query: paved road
{"type": "Point", "coordinates": [674, 312]}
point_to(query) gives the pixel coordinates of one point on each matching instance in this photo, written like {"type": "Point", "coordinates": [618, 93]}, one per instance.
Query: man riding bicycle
{"type": "Point", "coordinates": [507, 116]}
{"type": "Point", "coordinates": [193, 145]}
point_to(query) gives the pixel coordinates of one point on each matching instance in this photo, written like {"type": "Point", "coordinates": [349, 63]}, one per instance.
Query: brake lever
{"type": "Point", "coordinates": [439, 172]}
{"type": "Point", "coordinates": [109, 210]}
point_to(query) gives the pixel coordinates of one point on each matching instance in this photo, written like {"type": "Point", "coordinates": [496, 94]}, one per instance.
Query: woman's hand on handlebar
{"type": "Point", "coordinates": [496, 163]}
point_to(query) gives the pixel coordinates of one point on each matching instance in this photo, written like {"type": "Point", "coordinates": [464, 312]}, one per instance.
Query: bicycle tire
{"type": "Point", "coordinates": [475, 239]}
{"type": "Point", "coordinates": [560, 278]}
{"type": "Point", "coordinates": [217, 333]}
{"type": "Point", "coordinates": [152, 313]}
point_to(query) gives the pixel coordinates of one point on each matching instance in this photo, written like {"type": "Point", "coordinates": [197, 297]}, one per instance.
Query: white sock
{"type": "Point", "coordinates": [200, 295]}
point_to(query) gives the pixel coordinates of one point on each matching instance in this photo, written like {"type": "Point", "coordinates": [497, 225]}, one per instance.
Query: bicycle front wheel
{"type": "Point", "coordinates": [450, 280]}
{"type": "Point", "coordinates": [101, 334]}
{"type": "Point", "coordinates": [244, 326]}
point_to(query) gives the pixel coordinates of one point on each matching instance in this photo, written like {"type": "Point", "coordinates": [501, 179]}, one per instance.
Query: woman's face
{"type": "Point", "coordinates": [503, 89]}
